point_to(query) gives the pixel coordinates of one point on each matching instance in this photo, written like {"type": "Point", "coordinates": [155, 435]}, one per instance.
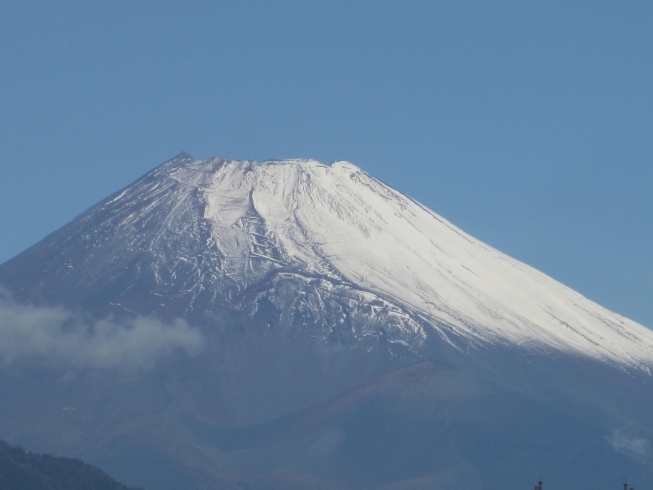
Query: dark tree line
{"type": "Point", "coordinates": [20, 470]}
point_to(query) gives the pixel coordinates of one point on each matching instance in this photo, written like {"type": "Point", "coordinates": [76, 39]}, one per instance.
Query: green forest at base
{"type": "Point", "coordinates": [20, 470]}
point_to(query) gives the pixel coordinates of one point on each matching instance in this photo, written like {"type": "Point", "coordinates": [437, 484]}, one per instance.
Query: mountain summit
{"type": "Point", "coordinates": [195, 236]}
{"type": "Point", "coordinates": [351, 339]}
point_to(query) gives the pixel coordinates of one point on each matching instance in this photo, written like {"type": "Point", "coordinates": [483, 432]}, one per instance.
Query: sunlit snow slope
{"type": "Point", "coordinates": [339, 221]}
{"type": "Point", "coordinates": [360, 261]}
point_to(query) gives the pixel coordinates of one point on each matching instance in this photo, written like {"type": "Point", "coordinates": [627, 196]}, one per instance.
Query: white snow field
{"type": "Point", "coordinates": [338, 221]}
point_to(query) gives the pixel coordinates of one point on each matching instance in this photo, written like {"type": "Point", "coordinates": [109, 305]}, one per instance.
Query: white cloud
{"type": "Point", "coordinates": [55, 337]}
{"type": "Point", "coordinates": [633, 446]}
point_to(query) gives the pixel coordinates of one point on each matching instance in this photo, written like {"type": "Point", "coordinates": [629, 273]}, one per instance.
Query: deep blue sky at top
{"type": "Point", "coordinates": [527, 124]}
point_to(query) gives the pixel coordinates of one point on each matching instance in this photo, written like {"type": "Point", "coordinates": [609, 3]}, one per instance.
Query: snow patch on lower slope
{"type": "Point", "coordinates": [338, 221]}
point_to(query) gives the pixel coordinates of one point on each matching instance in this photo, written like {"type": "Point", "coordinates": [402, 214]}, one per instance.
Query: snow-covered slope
{"type": "Point", "coordinates": [337, 220]}
{"type": "Point", "coordinates": [220, 226]}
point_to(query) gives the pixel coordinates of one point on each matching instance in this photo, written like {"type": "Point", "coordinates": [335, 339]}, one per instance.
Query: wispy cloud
{"type": "Point", "coordinates": [625, 443]}
{"type": "Point", "coordinates": [56, 337]}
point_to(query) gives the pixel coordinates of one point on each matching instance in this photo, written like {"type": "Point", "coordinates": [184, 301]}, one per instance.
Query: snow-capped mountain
{"type": "Point", "coordinates": [330, 304]}
{"type": "Point", "coordinates": [200, 233]}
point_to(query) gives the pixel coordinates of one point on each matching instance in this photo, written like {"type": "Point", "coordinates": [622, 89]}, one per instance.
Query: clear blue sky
{"type": "Point", "coordinates": [527, 124]}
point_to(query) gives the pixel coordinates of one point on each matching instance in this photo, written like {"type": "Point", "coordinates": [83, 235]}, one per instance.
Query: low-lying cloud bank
{"type": "Point", "coordinates": [58, 338]}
